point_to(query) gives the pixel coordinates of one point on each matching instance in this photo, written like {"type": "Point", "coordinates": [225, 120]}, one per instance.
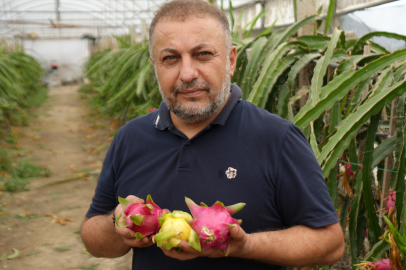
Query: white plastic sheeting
{"type": "Point", "coordinates": [69, 55]}
{"type": "Point", "coordinates": [389, 18]}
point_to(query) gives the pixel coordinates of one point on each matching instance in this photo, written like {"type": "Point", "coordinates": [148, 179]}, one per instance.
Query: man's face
{"type": "Point", "coordinates": [192, 66]}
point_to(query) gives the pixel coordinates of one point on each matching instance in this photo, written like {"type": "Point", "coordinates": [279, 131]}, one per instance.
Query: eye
{"type": "Point", "coordinates": [204, 53]}
{"type": "Point", "coordinates": [169, 58]}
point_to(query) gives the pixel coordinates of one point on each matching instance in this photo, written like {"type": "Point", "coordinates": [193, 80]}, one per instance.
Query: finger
{"type": "Point", "coordinates": [146, 240]}
{"type": "Point", "coordinates": [187, 248]}
{"type": "Point", "coordinates": [237, 233]}
{"type": "Point", "coordinates": [134, 199]}
{"type": "Point", "coordinates": [125, 233]}
{"type": "Point", "coordinates": [239, 243]}
{"type": "Point", "coordinates": [183, 256]}
{"type": "Point", "coordinates": [137, 242]}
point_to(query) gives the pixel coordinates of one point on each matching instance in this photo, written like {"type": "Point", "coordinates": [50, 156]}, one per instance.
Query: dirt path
{"type": "Point", "coordinates": [72, 145]}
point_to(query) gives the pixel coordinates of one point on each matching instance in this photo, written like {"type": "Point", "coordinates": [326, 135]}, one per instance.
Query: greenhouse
{"type": "Point", "coordinates": [107, 104]}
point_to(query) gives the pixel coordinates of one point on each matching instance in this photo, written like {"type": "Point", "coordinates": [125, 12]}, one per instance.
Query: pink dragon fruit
{"type": "Point", "coordinates": [213, 224]}
{"type": "Point", "coordinates": [141, 218]}
{"type": "Point", "coordinates": [384, 264]}
{"type": "Point", "coordinates": [390, 200]}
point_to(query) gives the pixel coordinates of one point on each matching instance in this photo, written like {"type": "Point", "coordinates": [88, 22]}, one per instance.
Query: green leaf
{"type": "Point", "coordinates": [364, 38]}
{"type": "Point", "coordinates": [339, 55]}
{"type": "Point", "coordinates": [335, 117]}
{"type": "Point", "coordinates": [251, 24]}
{"type": "Point", "coordinates": [15, 254]}
{"type": "Point", "coordinates": [292, 30]}
{"type": "Point", "coordinates": [137, 219]}
{"type": "Point", "coordinates": [377, 251]}
{"type": "Point", "coordinates": [332, 186]}
{"type": "Point", "coordinates": [314, 39]}
{"type": "Point", "coordinates": [354, 101]}
{"type": "Point", "coordinates": [400, 158]}
{"type": "Point", "coordinates": [123, 202]}
{"type": "Point", "coordinates": [180, 214]}
{"type": "Point", "coordinates": [399, 239]}
{"type": "Point", "coordinates": [375, 47]}
{"type": "Point", "coordinates": [363, 113]}
{"type": "Point", "coordinates": [345, 86]}
{"type": "Point", "coordinates": [253, 66]}
{"type": "Point", "coordinates": [267, 30]}
{"type": "Point", "coordinates": [330, 13]}
{"type": "Point", "coordinates": [353, 218]}
{"type": "Point", "coordinates": [230, 9]}
{"type": "Point", "coordinates": [139, 235]}
{"type": "Point", "coordinates": [332, 85]}
{"type": "Point", "coordinates": [349, 64]}
{"type": "Point", "coordinates": [344, 214]}
{"type": "Point", "coordinates": [373, 222]}
{"type": "Point", "coordinates": [384, 81]}
{"type": "Point", "coordinates": [194, 240]}
{"type": "Point", "coordinates": [383, 150]}
{"type": "Point", "coordinates": [298, 66]}
{"type": "Point", "coordinates": [321, 67]}
{"type": "Point", "coordinates": [166, 234]}
{"type": "Point", "coordinates": [336, 153]}
{"type": "Point", "coordinates": [259, 94]}
{"type": "Point", "coordinates": [361, 229]}
{"type": "Point", "coordinates": [283, 101]}
{"type": "Point", "coordinates": [400, 72]}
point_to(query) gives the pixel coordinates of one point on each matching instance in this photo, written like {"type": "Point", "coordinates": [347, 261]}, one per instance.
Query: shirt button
{"type": "Point", "coordinates": [188, 144]}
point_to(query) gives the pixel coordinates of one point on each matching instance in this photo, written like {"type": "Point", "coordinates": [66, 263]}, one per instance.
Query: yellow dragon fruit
{"type": "Point", "coordinates": [174, 229]}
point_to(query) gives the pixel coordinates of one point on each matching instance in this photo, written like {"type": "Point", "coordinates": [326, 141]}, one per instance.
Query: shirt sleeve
{"type": "Point", "coordinates": [104, 199]}
{"type": "Point", "coordinates": [302, 194]}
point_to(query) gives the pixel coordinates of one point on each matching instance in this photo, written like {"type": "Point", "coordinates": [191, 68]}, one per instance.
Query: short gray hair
{"type": "Point", "coordinates": [184, 9]}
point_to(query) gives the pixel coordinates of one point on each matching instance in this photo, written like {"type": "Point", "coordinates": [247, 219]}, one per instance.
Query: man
{"type": "Point", "coordinates": [206, 143]}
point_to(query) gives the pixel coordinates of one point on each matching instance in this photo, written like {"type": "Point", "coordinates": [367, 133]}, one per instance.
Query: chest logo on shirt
{"type": "Point", "coordinates": [231, 173]}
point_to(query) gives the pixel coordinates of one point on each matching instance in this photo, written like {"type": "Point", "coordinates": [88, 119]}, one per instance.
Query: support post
{"type": "Point", "coordinates": [305, 8]}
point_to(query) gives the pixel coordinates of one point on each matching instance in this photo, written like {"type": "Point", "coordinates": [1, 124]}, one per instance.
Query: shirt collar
{"type": "Point", "coordinates": [163, 118]}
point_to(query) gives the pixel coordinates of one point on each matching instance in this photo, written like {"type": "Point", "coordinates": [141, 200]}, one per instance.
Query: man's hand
{"type": "Point", "coordinates": [296, 246]}
{"type": "Point", "coordinates": [128, 235]}
{"type": "Point", "coordinates": [239, 244]}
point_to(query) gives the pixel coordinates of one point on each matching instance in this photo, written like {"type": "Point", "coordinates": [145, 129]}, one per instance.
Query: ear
{"type": "Point", "coordinates": [233, 60]}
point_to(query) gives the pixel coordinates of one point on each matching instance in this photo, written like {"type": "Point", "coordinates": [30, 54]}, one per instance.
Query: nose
{"type": "Point", "coordinates": [188, 70]}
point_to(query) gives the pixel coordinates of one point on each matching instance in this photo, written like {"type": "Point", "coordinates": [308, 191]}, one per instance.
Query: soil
{"type": "Point", "coordinates": [43, 223]}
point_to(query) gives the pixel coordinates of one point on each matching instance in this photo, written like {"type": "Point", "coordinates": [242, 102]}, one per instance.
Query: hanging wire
{"type": "Point", "coordinates": [352, 163]}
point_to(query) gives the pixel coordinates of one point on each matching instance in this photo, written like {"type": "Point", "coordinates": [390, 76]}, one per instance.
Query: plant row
{"type": "Point", "coordinates": [20, 90]}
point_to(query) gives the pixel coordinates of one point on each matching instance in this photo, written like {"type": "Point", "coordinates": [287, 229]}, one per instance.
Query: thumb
{"type": "Point", "coordinates": [237, 232]}
{"type": "Point", "coordinates": [134, 199]}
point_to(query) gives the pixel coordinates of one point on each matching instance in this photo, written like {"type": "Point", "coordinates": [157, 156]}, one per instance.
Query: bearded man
{"type": "Point", "coordinates": [186, 148]}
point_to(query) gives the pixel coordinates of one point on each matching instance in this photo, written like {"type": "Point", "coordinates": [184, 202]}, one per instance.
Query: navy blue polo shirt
{"type": "Point", "coordinates": [245, 155]}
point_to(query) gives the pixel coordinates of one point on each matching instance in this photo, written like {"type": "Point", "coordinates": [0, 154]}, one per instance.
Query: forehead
{"type": "Point", "coordinates": [188, 31]}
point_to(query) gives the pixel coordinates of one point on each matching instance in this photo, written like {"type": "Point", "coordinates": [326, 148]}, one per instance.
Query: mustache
{"type": "Point", "coordinates": [190, 85]}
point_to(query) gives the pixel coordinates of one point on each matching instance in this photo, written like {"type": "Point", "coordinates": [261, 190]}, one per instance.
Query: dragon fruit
{"type": "Point", "coordinates": [384, 264]}
{"type": "Point", "coordinates": [141, 218]}
{"type": "Point", "coordinates": [174, 229]}
{"type": "Point", "coordinates": [213, 224]}
{"type": "Point", "coordinates": [390, 200]}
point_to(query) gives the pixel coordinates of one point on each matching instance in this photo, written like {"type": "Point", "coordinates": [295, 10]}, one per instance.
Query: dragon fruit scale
{"type": "Point", "coordinates": [174, 229]}
{"type": "Point", "coordinates": [141, 218]}
{"type": "Point", "coordinates": [213, 224]}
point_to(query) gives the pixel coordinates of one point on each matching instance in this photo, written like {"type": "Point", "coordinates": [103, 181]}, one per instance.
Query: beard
{"type": "Point", "coordinates": [193, 112]}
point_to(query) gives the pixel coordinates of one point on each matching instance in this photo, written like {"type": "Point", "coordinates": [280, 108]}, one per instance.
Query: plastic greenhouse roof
{"type": "Point", "coordinates": [73, 18]}
{"type": "Point", "coordinates": [76, 18]}
{"type": "Point", "coordinates": [97, 18]}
